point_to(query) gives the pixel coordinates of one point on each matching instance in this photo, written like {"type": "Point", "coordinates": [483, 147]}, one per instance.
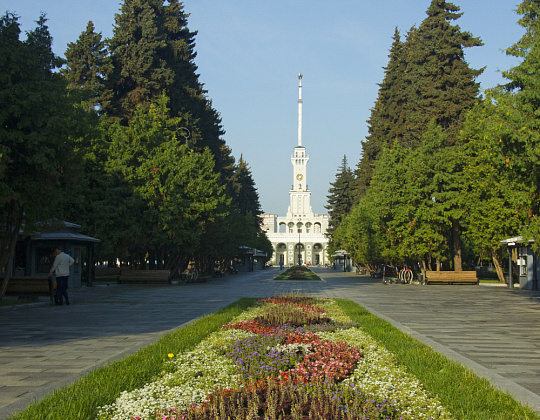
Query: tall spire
{"type": "Point", "coordinates": [299, 109]}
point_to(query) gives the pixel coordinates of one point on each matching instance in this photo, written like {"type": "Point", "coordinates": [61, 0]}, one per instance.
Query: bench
{"type": "Point", "coordinates": [30, 287]}
{"type": "Point", "coordinates": [144, 276]}
{"type": "Point", "coordinates": [451, 277]}
{"type": "Point", "coordinates": [107, 271]}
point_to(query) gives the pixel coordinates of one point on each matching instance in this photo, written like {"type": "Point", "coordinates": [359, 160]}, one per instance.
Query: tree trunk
{"type": "Point", "coordinates": [438, 263]}
{"type": "Point", "coordinates": [424, 270]}
{"type": "Point", "coordinates": [497, 265]}
{"type": "Point", "coordinates": [456, 245]}
{"type": "Point", "coordinates": [9, 242]}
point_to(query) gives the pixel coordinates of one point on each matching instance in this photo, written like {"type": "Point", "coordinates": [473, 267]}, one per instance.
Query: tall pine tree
{"type": "Point", "coordinates": [87, 67]}
{"type": "Point", "coordinates": [340, 198]}
{"type": "Point", "coordinates": [386, 121]}
{"type": "Point", "coordinates": [153, 52]}
{"type": "Point", "coordinates": [439, 84]}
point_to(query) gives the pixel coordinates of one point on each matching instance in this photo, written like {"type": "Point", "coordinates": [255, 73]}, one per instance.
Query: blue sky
{"type": "Point", "coordinates": [250, 52]}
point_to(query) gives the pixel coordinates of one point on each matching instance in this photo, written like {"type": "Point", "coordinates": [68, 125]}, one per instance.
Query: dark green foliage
{"type": "Point", "coordinates": [151, 59]}
{"type": "Point", "coordinates": [153, 53]}
{"type": "Point", "coordinates": [520, 142]}
{"type": "Point", "coordinates": [87, 67]}
{"type": "Point", "coordinates": [427, 91]}
{"type": "Point", "coordinates": [245, 195]}
{"type": "Point", "coordinates": [387, 116]}
{"type": "Point", "coordinates": [36, 123]}
{"type": "Point", "coordinates": [438, 82]}
{"type": "Point", "coordinates": [340, 198]}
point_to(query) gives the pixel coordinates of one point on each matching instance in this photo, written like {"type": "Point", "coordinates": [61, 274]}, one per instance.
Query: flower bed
{"type": "Point", "coordinates": [266, 364]}
{"type": "Point", "coordinates": [298, 273]}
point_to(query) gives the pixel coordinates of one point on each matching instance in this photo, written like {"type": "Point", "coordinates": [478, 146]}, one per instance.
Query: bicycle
{"type": "Point", "coordinates": [190, 275]}
{"type": "Point", "coordinates": [386, 280]}
{"type": "Point", "coordinates": [405, 276]}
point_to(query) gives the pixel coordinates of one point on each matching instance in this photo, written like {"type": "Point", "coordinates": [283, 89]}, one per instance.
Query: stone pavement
{"type": "Point", "coordinates": [492, 330]}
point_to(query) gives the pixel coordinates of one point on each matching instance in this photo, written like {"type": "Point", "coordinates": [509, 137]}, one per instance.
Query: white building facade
{"type": "Point", "coordinates": [300, 236]}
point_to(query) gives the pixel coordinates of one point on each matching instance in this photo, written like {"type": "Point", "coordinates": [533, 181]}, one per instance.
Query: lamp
{"type": "Point", "coordinates": [184, 132]}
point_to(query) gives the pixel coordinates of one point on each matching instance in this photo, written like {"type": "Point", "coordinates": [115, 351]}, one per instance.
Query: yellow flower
{"type": "Point", "coordinates": [170, 355]}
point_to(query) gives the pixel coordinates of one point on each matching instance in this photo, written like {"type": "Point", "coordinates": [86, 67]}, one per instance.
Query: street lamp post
{"type": "Point", "coordinates": [184, 132]}
{"type": "Point", "coordinates": [299, 248]}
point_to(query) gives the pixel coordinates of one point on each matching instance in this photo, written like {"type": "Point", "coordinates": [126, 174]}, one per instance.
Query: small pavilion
{"type": "Point", "coordinates": [33, 256]}
{"type": "Point", "coordinates": [520, 252]}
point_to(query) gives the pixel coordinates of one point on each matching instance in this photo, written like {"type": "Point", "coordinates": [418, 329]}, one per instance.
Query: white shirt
{"type": "Point", "coordinates": [61, 265]}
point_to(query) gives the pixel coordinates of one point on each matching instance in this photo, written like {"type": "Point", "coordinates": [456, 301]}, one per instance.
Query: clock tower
{"type": "Point", "coordinates": [299, 194]}
{"type": "Point", "coordinates": [300, 236]}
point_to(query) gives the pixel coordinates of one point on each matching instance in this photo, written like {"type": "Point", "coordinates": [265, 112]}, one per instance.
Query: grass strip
{"type": "Point", "coordinates": [81, 400]}
{"type": "Point", "coordinates": [465, 394]}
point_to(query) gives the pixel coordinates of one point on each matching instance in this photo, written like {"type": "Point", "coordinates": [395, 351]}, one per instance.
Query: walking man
{"type": "Point", "coordinates": [61, 264]}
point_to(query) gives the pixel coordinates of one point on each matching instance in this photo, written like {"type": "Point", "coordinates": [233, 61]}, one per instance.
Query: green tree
{"type": "Point", "coordinates": [242, 225]}
{"type": "Point", "coordinates": [386, 121]}
{"type": "Point", "coordinates": [153, 53]}
{"type": "Point", "coordinates": [245, 195]}
{"type": "Point", "coordinates": [361, 234]}
{"type": "Point", "coordinates": [521, 140]}
{"type": "Point", "coordinates": [496, 202]}
{"type": "Point", "coordinates": [35, 122]}
{"type": "Point", "coordinates": [87, 66]}
{"type": "Point", "coordinates": [340, 196]}
{"type": "Point", "coordinates": [178, 191]}
{"type": "Point", "coordinates": [438, 83]}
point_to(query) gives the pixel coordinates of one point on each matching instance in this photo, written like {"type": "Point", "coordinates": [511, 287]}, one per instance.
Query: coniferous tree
{"type": "Point", "coordinates": [386, 120]}
{"type": "Point", "coordinates": [340, 199]}
{"type": "Point", "coordinates": [439, 85]}
{"type": "Point", "coordinates": [87, 66]}
{"type": "Point", "coordinates": [245, 195]}
{"type": "Point", "coordinates": [153, 53]}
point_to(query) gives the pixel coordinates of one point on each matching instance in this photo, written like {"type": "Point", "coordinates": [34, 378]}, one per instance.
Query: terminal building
{"type": "Point", "coordinates": [300, 236]}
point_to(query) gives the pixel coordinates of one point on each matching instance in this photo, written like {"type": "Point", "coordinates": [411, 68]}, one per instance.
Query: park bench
{"type": "Point", "coordinates": [107, 271]}
{"type": "Point", "coordinates": [144, 276]}
{"type": "Point", "coordinates": [30, 287]}
{"type": "Point", "coordinates": [451, 277]}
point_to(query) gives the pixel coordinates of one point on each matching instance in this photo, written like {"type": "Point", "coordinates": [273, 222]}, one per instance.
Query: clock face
{"type": "Point", "coordinates": [299, 177]}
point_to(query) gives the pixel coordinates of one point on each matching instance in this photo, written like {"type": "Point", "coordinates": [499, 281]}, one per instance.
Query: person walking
{"type": "Point", "coordinates": [60, 267]}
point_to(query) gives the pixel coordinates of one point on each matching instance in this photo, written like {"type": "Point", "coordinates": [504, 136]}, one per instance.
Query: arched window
{"type": "Point", "coordinates": [317, 228]}
{"type": "Point", "coordinates": [282, 228]}
{"type": "Point", "coordinates": [308, 227]}
{"type": "Point", "coordinates": [291, 227]}
{"type": "Point", "coordinates": [299, 227]}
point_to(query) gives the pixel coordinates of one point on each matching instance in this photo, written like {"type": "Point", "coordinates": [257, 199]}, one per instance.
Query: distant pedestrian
{"type": "Point", "coordinates": [281, 264]}
{"type": "Point", "coordinates": [60, 267]}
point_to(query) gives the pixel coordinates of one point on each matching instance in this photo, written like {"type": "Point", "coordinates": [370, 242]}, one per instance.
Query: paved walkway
{"type": "Point", "coordinates": [493, 330]}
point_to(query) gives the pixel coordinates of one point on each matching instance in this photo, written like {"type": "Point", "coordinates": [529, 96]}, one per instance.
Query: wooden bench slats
{"type": "Point", "coordinates": [451, 277]}
{"type": "Point", "coordinates": [107, 271]}
{"type": "Point", "coordinates": [144, 276]}
{"type": "Point", "coordinates": [30, 286]}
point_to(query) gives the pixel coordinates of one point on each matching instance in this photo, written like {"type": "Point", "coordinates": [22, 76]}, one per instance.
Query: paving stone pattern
{"type": "Point", "coordinates": [492, 330]}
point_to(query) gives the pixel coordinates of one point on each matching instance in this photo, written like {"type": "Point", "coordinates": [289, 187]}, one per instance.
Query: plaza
{"type": "Point", "coordinates": [486, 328]}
